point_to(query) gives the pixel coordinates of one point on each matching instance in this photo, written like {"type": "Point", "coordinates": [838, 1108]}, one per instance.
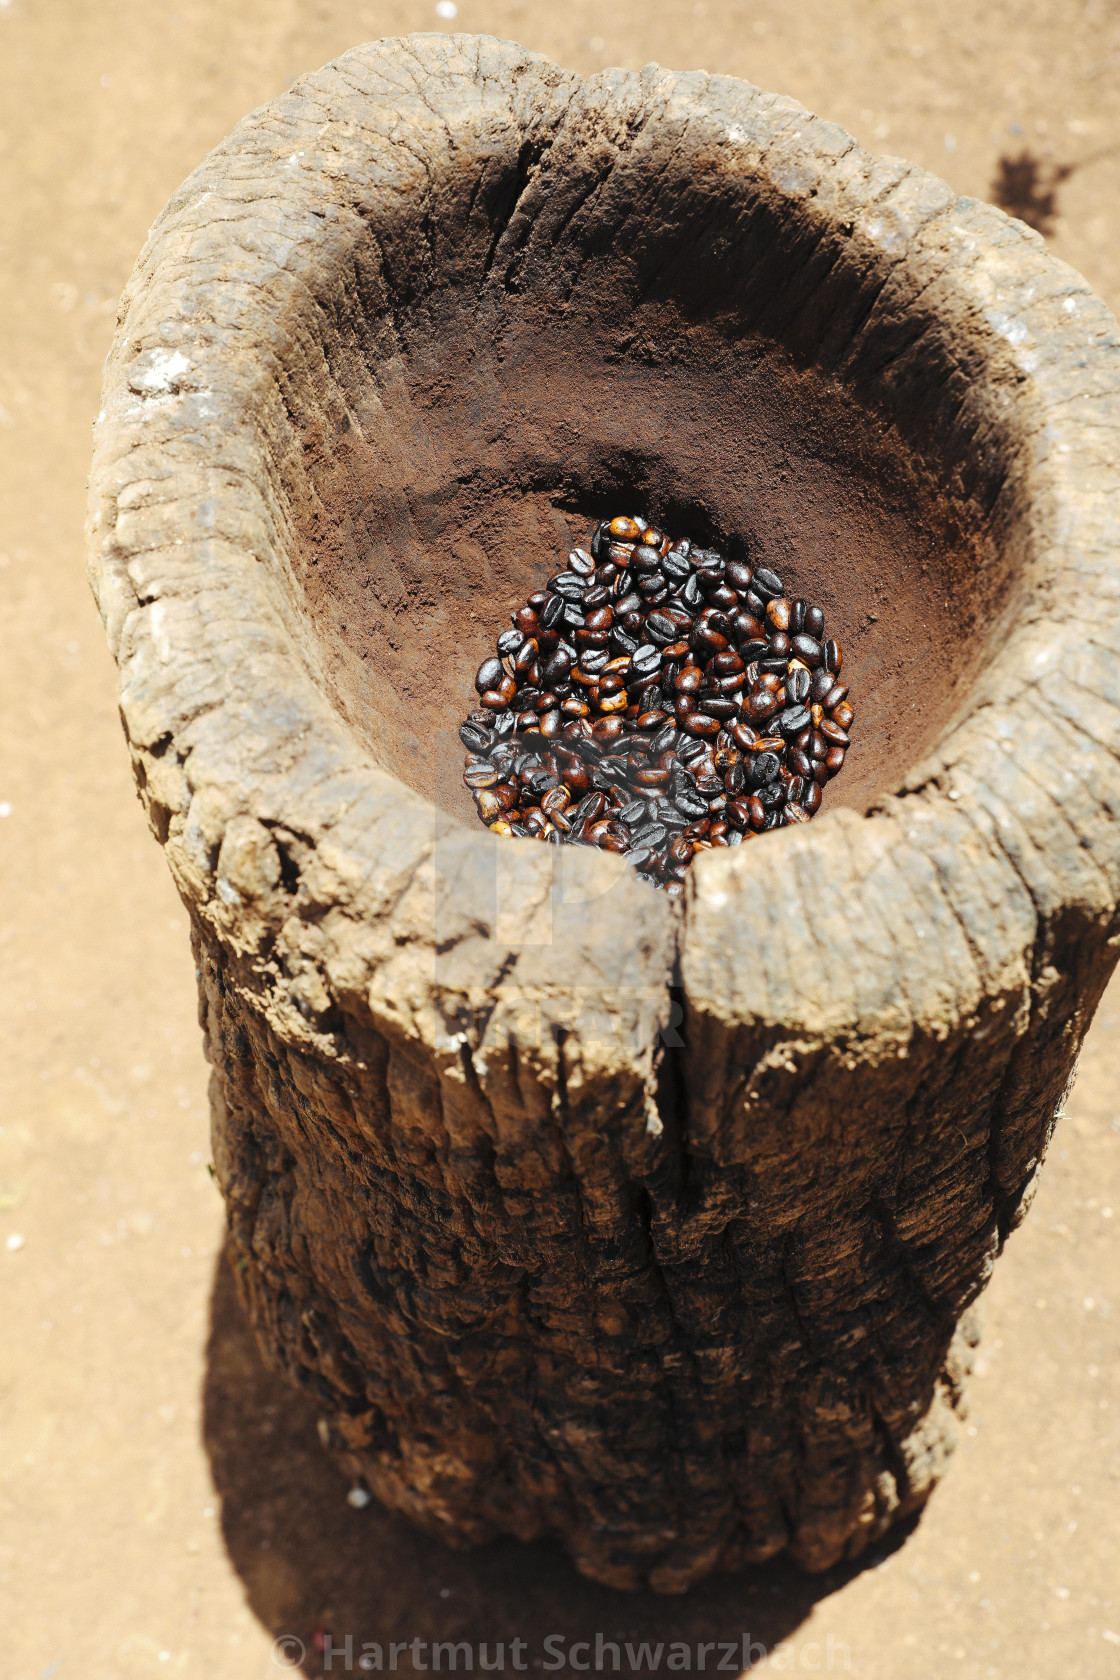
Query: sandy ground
{"type": "Point", "coordinates": [166, 1508]}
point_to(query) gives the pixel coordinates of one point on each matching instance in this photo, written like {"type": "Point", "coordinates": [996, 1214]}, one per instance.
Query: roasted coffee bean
{"type": "Point", "coordinates": [475, 737]}
{"type": "Point", "coordinates": [488, 675]}
{"type": "Point", "coordinates": [622, 529]}
{"type": "Point", "coordinates": [762, 768]}
{"type": "Point", "coordinates": [820, 684]}
{"type": "Point", "coordinates": [634, 684]}
{"type": "Point", "coordinates": [660, 629]}
{"type": "Point", "coordinates": [725, 599]}
{"type": "Point", "coordinates": [761, 705]}
{"type": "Point", "coordinates": [766, 583]}
{"type": "Point", "coordinates": [556, 669]}
{"type": "Point", "coordinates": [797, 687]}
{"type": "Point", "coordinates": [807, 649]}
{"type": "Point", "coordinates": [691, 595]}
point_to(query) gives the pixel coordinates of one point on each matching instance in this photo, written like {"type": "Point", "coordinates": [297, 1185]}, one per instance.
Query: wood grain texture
{"type": "Point", "coordinates": [654, 1229]}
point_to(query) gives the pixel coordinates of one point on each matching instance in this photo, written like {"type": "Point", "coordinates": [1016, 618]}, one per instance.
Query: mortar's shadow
{"type": "Point", "coordinates": [312, 1565]}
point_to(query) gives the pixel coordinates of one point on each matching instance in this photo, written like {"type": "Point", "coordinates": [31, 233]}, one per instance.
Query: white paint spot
{"type": "Point", "coordinates": [446, 9]}
{"type": "Point", "coordinates": [158, 372]}
{"type": "Point", "coordinates": [15, 1242]}
{"type": "Point", "coordinates": [5, 808]}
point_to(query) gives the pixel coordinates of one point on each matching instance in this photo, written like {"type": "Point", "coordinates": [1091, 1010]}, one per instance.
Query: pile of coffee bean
{"type": "Point", "coordinates": [658, 700]}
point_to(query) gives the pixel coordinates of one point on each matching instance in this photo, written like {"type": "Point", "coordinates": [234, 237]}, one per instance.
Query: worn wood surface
{"type": "Point", "coordinates": [654, 1230]}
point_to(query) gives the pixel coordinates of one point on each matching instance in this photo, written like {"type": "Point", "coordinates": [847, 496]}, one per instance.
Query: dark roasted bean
{"type": "Point", "coordinates": [797, 613]}
{"type": "Point", "coordinates": [568, 586]}
{"type": "Point", "coordinates": [793, 720]}
{"type": "Point", "coordinates": [811, 798]}
{"type": "Point", "coordinates": [814, 622]}
{"type": "Point", "coordinates": [552, 612]}
{"type": "Point", "coordinates": [766, 583]}
{"type": "Point", "coordinates": [646, 660]}
{"type": "Point", "coordinates": [778, 614]}
{"type": "Point", "coordinates": [833, 656]}
{"type": "Point", "coordinates": [488, 675]}
{"type": "Point", "coordinates": [807, 649]}
{"type": "Point", "coordinates": [661, 630]}
{"type": "Point", "coordinates": [475, 737]}
{"type": "Point", "coordinates": [834, 760]}
{"type": "Point", "coordinates": [797, 687]}
{"type": "Point", "coordinates": [725, 599]}
{"type": "Point", "coordinates": [820, 684]}
{"type": "Point", "coordinates": [738, 575]}
{"type": "Point", "coordinates": [761, 705]}
{"type": "Point", "coordinates": [834, 735]}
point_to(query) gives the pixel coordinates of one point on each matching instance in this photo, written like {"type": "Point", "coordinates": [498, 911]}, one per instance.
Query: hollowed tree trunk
{"type": "Point", "coordinates": [579, 1213]}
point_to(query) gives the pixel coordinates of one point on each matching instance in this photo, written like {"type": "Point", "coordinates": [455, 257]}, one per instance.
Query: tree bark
{"type": "Point", "coordinates": [653, 1229]}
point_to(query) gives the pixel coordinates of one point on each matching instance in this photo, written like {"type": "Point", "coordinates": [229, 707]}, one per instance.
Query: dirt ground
{"type": "Point", "coordinates": [166, 1509]}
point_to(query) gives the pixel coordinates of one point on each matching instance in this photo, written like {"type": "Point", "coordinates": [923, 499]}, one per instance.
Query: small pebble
{"type": "Point", "coordinates": [359, 1498]}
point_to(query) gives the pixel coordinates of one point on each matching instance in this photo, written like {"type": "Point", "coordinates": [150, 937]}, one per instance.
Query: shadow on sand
{"type": "Point", "coordinates": [313, 1566]}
